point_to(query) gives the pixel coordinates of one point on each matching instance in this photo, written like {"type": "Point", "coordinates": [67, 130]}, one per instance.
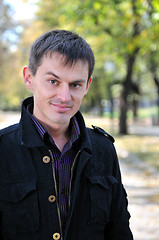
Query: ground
{"type": "Point", "coordinates": [143, 193]}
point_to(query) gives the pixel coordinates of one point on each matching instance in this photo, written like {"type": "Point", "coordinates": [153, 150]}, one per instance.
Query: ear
{"type": "Point", "coordinates": [27, 75]}
{"type": "Point", "coordinates": [88, 84]}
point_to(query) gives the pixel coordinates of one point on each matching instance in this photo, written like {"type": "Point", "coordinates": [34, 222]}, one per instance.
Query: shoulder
{"type": "Point", "coordinates": [8, 130]}
{"type": "Point", "coordinates": [9, 139]}
{"type": "Point", "coordinates": [98, 132]}
{"type": "Point", "coordinates": [104, 155]}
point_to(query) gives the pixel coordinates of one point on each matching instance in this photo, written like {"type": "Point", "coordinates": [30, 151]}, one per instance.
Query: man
{"type": "Point", "coordinates": [59, 179]}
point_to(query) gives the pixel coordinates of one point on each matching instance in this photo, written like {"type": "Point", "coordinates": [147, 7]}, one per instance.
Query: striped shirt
{"type": "Point", "coordinates": [62, 160]}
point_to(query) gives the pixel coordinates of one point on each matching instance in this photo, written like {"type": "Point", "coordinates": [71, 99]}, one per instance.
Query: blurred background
{"type": "Point", "coordinates": [124, 96]}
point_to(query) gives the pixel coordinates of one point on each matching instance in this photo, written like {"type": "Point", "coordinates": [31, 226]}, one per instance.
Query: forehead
{"type": "Point", "coordinates": [58, 62]}
{"type": "Point", "coordinates": [56, 57]}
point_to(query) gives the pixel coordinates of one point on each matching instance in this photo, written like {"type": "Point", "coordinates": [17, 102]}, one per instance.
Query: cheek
{"type": "Point", "coordinates": [78, 97]}
{"type": "Point", "coordinates": [41, 92]}
{"type": "Point", "coordinates": [40, 97]}
{"type": "Point", "coordinates": [80, 93]}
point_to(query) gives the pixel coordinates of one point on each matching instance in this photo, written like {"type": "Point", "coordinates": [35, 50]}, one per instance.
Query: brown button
{"type": "Point", "coordinates": [46, 159]}
{"type": "Point", "coordinates": [52, 198]}
{"type": "Point", "coordinates": [56, 236]}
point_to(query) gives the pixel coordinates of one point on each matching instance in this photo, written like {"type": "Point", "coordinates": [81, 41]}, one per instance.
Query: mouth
{"type": "Point", "coordinates": [61, 107]}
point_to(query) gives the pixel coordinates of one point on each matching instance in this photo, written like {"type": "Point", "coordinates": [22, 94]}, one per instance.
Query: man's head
{"type": "Point", "coordinates": [66, 43]}
{"type": "Point", "coordinates": [59, 75]}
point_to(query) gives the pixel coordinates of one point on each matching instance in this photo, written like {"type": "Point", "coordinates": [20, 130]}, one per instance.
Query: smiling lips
{"type": "Point", "coordinates": [62, 107]}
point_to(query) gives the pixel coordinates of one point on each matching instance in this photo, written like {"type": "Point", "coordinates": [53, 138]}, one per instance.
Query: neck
{"type": "Point", "coordinates": [60, 134]}
{"type": "Point", "coordinates": [60, 141]}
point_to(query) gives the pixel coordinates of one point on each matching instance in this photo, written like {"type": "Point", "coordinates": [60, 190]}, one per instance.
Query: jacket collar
{"type": "Point", "coordinates": [29, 134]}
{"type": "Point", "coordinates": [30, 137]}
{"type": "Point", "coordinates": [85, 139]}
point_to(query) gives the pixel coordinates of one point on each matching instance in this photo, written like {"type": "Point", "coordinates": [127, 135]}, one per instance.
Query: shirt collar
{"type": "Point", "coordinates": [75, 130]}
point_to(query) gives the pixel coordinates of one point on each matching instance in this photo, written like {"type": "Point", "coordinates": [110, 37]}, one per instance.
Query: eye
{"type": "Point", "coordinates": [53, 82]}
{"type": "Point", "coordinates": [75, 85]}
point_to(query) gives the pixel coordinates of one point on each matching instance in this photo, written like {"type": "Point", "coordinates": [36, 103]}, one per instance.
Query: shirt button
{"type": "Point", "coordinates": [52, 198]}
{"type": "Point", "coordinates": [56, 236]}
{"type": "Point", "coordinates": [46, 159]}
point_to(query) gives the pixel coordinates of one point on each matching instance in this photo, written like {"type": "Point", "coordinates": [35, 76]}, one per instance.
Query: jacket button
{"type": "Point", "coordinates": [46, 159]}
{"type": "Point", "coordinates": [56, 236]}
{"type": "Point", "coordinates": [52, 198]}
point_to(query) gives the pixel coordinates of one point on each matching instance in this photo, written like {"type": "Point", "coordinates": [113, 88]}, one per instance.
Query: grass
{"type": "Point", "coordinates": [142, 113]}
{"type": "Point", "coordinates": [148, 112]}
{"type": "Point", "coordinates": [146, 148]}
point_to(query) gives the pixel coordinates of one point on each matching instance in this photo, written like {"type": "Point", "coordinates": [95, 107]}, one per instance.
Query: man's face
{"type": "Point", "coordinates": [58, 89]}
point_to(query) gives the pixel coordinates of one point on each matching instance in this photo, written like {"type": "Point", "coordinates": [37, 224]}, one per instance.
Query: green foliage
{"type": "Point", "coordinates": [114, 29]}
{"type": "Point", "coordinates": [6, 57]}
{"type": "Point", "coordinates": [109, 28]}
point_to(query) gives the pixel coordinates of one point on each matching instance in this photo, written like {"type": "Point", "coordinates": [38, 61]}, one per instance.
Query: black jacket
{"type": "Point", "coordinates": [28, 192]}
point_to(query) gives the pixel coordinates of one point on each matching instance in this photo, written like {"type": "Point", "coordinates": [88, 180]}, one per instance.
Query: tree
{"type": "Point", "coordinates": [7, 60]}
{"type": "Point", "coordinates": [12, 88]}
{"type": "Point", "coordinates": [153, 53]}
{"type": "Point", "coordinates": [116, 30]}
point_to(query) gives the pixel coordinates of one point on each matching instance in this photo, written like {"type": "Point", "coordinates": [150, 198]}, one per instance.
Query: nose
{"type": "Point", "coordinates": [64, 93]}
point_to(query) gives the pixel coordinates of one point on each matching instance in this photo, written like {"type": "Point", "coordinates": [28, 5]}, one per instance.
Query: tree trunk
{"type": "Point", "coordinates": [124, 95]}
{"type": "Point", "coordinates": [135, 108]}
{"type": "Point", "coordinates": [128, 80]}
{"type": "Point", "coordinates": [156, 80]}
{"type": "Point", "coordinates": [158, 107]}
{"type": "Point", "coordinates": [123, 115]}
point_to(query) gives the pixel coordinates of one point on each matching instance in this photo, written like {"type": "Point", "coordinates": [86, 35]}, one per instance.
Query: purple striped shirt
{"type": "Point", "coordinates": [62, 161]}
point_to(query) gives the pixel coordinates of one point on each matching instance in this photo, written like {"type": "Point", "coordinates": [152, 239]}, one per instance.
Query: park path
{"type": "Point", "coordinates": [8, 118]}
{"type": "Point", "coordinates": [141, 183]}
{"type": "Point", "coordinates": [143, 196]}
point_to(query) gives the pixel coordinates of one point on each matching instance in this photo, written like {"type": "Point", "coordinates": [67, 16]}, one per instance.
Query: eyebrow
{"type": "Point", "coordinates": [53, 74]}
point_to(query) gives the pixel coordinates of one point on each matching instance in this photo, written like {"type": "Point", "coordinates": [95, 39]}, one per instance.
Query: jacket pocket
{"type": "Point", "coordinates": [101, 193]}
{"type": "Point", "coordinates": [19, 207]}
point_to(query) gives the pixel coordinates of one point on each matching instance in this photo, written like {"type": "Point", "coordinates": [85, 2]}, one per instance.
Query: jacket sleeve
{"type": "Point", "coordinates": [1, 237]}
{"type": "Point", "coordinates": [118, 227]}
